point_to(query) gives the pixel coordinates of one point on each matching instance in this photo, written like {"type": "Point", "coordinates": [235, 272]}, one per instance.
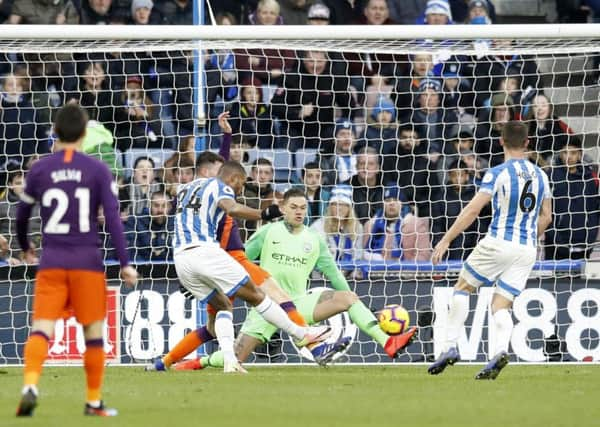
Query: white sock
{"type": "Point", "coordinates": [32, 387]}
{"type": "Point", "coordinates": [275, 315]}
{"type": "Point", "coordinates": [504, 327]}
{"type": "Point", "coordinates": [225, 334]}
{"type": "Point", "coordinates": [459, 310]}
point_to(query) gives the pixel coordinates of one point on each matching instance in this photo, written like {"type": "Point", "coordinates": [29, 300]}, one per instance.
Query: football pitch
{"type": "Point", "coordinates": [402, 395]}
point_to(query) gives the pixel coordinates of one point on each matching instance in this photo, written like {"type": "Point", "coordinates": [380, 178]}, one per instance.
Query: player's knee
{"type": "Point", "coordinates": [220, 302]}
{"type": "Point", "coordinates": [44, 326]}
{"type": "Point", "coordinates": [347, 298]}
{"type": "Point", "coordinates": [253, 295]}
{"type": "Point", "coordinates": [93, 330]}
{"type": "Point", "coordinates": [463, 286]}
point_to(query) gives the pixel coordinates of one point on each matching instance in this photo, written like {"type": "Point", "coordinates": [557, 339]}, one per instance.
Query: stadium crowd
{"type": "Point", "coordinates": [389, 148]}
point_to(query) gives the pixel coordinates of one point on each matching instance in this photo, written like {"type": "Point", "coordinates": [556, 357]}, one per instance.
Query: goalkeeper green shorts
{"type": "Point", "coordinates": [257, 327]}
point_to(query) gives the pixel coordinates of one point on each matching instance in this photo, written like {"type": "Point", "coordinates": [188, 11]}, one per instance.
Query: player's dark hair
{"type": "Point", "coordinates": [159, 193]}
{"type": "Point", "coordinates": [293, 192]}
{"type": "Point", "coordinates": [515, 134]}
{"type": "Point", "coordinates": [230, 168]}
{"type": "Point", "coordinates": [310, 166]}
{"type": "Point", "coordinates": [573, 141]}
{"type": "Point", "coordinates": [184, 162]}
{"type": "Point", "coordinates": [261, 161]}
{"type": "Point", "coordinates": [70, 123]}
{"type": "Point", "coordinates": [142, 158]}
{"type": "Point", "coordinates": [207, 158]}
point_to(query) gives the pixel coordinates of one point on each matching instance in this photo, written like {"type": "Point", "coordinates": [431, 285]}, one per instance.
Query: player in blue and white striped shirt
{"type": "Point", "coordinates": [521, 209]}
{"type": "Point", "coordinates": [209, 273]}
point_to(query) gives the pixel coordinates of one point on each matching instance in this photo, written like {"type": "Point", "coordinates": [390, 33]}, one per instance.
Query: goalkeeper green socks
{"type": "Point", "coordinates": [214, 360]}
{"type": "Point", "coordinates": [366, 322]}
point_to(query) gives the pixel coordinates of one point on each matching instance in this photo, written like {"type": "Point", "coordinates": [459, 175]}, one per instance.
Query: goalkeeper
{"type": "Point", "coordinates": [290, 251]}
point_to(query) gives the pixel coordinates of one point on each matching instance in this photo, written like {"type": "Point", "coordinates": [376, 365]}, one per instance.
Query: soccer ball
{"type": "Point", "coordinates": [393, 319]}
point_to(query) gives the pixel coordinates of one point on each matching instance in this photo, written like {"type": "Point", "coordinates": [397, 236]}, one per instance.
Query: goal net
{"type": "Point", "coordinates": [388, 129]}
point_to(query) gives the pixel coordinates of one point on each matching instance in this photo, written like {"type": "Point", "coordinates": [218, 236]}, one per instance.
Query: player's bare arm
{"type": "Point", "coordinates": [545, 217]}
{"type": "Point", "coordinates": [238, 210]}
{"type": "Point", "coordinates": [466, 218]}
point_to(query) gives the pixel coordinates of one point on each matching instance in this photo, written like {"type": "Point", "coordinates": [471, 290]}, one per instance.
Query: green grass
{"type": "Point", "coordinates": [308, 396]}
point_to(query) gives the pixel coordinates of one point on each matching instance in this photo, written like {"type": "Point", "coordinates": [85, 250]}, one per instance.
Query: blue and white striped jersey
{"type": "Point", "coordinates": [198, 213]}
{"type": "Point", "coordinates": [518, 188]}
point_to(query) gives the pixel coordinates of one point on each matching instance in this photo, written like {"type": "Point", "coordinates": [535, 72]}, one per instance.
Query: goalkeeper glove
{"type": "Point", "coordinates": [270, 213]}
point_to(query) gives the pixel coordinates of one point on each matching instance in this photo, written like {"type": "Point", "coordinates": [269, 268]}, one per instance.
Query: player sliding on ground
{"type": "Point", "coordinates": [290, 251]}
{"type": "Point", "coordinates": [228, 235]}
{"type": "Point", "coordinates": [209, 273]}
{"type": "Point", "coordinates": [71, 187]}
{"type": "Point", "coordinates": [521, 209]}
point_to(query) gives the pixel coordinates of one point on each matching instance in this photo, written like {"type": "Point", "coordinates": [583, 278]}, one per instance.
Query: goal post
{"type": "Point", "coordinates": [421, 105]}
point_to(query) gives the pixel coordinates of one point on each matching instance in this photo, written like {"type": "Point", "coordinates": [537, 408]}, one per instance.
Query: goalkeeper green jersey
{"type": "Point", "coordinates": [290, 258]}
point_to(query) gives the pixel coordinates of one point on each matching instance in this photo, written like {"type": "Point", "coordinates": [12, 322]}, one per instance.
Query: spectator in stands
{"type": "Point", "coordinates": [316, 193]}
{"type": "Point", "coordinates": [487, 134]}
{"type": "Point", "coordinates": [489, 71]}
{"type": "Point", "coordinates": [382, 129]}
{"type": "Point", "coordinates": [294, 12]}
{"type": "Point", "coordinates": [318, 14]}
{"type": "Point", "coordinates": [394, 233]}
{"type": "Point", "coordinates": [51, 76]}
{"type": "Point", "coordinates": [547, 133]}
{"type": "Point", "coordinates": [21, 135]}
{"type": "Point", "coordinates": [406, 12]}
{"type": "Point", "coordinates": [100, 143]}
{"type": "Point", "coordinates": [142, 186]}
{"type": "Point", "coordinates": [9, 245]}
{"type": "Point", "coordinates": [408, 167]}
{"type": "Point", "coordinates": [456, 194]}
{"type": "Point", "coordinates": [239, 150]}
{"type": "Point", "coordinates": [407, 88]}
{"type": "Point", "coordinates": [42, 12]}
{"type": "Point", "coordinates": [137, 121]}
{"type": "Point", "coordinates": [149, 234]}
{"type": "Point", "coordinates": [431, 120]}
{"type": "Point", "coordinates": [341, 165]}
{"type": "Point", "coordinates": [184, 156]}
{"type": "Point", "coordinates": [343, 12]}
{"type": "Point", "coordinates": [142, 13]}
{"type": "Point", "coordinates": [361, 67]}
{"type": "Point", "coordinates": [182, 172]}
{"type": "Point", "coordinates": [94, 93]}
{"type": "Point", "coordinates": [268, 65]}
{"type": "Point", "coordinates": [572, 12]}
{"type": "Point", "coordinates": [308, 101]}
{"type": "Point", "coordinates": [258, 192]}
{"type": "Point", "coordinates": [576, 205]}
{"type": "Point", "coordinates": [458, 93]}
{"type": "Point", "coordinates": [252, 118]}
{"type": "Point", "coordinates": [367, 184]}
{"type": "Point", "coordinates": [465, 10]}
{"type": "Point", "coordinates": [339, 226]}
{"type": "Point", "coordinates": [437, 12]}
{"type": "Point", "coordinates": [95, 12]}
{"type": "Point", "coordinates": [177, 12]}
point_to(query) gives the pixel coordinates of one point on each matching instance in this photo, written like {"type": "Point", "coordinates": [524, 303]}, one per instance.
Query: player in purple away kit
{"type": "Point", "coordinates": [71, 187]}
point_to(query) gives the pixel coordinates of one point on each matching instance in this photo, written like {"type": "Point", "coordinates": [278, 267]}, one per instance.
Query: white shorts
{"type": "Point", "coordinates": [204, 270]}
{"type": "Point", "coordinates": [501, 262]}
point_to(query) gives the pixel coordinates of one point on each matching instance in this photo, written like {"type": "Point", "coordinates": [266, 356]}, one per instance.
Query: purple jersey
{"type": "Point", "coordinates": [71, 187]}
